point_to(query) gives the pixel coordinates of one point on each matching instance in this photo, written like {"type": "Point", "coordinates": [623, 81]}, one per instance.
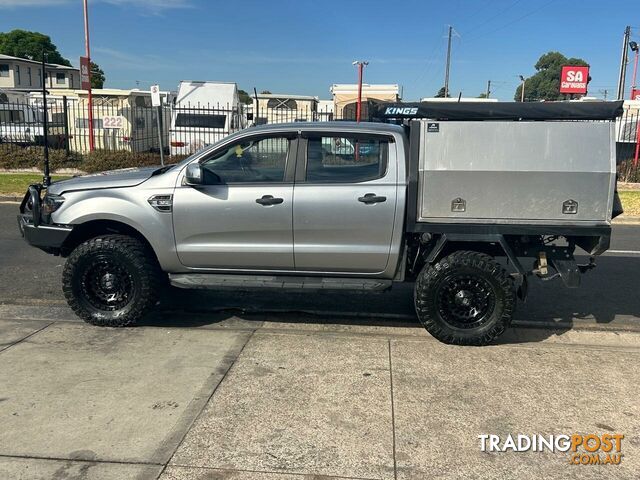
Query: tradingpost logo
{"type": "Point", "coordinates": [590, 449]}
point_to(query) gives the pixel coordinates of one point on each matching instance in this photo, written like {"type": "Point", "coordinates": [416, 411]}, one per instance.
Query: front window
{"type": "Point", "coordinates": [200, 120]}
{"type": "Point", "coordinates": [11, 116]}
{"type": "Point", "coordinates": [251, 161]}
{"type": "Point", "coordinates": [346, 159]}
{"type": "Point", "coordinates": [282, 104]}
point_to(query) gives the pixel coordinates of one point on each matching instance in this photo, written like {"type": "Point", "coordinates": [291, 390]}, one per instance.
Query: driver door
{"type": "Point", "coordinates": [241, 217]}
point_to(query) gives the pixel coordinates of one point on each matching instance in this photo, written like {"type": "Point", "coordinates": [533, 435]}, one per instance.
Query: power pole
{"type": "Point", "coordinates": [89, 96]}
{"type": "Point", "coordinates": [623, 63]}
{"type": "Point", "coordinates": [446, 72]}
{"type": "Point", "coordinates": [488, 88]}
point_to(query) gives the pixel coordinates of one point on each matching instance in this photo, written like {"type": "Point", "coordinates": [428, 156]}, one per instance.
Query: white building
{"type": "Point", "coordinates": [345, 97]}
{"type": "Point", "coordinates": [23, 74]}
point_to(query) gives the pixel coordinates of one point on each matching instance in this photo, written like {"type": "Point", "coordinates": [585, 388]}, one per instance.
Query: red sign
{"type": "Point", "coordinates": [574, 79]}
{"type": "Point", "coordinates": [635, 93]}
{"type": "Point", "coordinates": [85, 78]}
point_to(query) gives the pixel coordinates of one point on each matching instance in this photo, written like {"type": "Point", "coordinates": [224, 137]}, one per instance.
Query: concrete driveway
{"type": "Point", "coordinates": [251, 397]}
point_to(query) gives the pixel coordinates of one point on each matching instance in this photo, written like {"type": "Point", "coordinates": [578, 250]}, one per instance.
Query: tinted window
{"type": "Point", "coordinates": [84, 123]}
{"type": "Point", "coordinates": [11, 116]}
{"type": "Point", "coordinates": [200, 120]}
{"type": "Point", "coordinates": [259, 160]}
{"type": "Point", "coordinates": [346, 159]}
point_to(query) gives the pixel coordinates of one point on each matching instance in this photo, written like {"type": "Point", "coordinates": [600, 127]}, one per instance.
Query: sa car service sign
{"type": "Point", "coordinates": [573, 79]}
{"type": "Point", "coordinates": [85, 83]}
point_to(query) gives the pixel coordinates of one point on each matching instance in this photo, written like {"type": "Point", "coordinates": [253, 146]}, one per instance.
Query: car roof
{"type": "Point", "coordinates": [330, 126]}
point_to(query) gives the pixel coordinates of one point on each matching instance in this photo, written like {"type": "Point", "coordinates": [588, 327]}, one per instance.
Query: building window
{"type": "Point", "coordinates": [282, 103]}
{"type": "Point", "coordinates": [4, 69]}
{"type": "Point", "coordinates": [18, 81]}
{"type": "Point", "coordinates": [39, 77]}
{"type": "Point", "coordinates": [60, 79]}
{"type": "Point", "coordinates": [29, 75]}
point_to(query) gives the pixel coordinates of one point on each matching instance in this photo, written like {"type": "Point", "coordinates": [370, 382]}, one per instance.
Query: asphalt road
{"type": "Point", "coordinates": [608, 295]}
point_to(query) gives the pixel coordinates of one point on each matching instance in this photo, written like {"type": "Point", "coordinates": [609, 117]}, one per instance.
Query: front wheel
{"type": "Point", "coordinates": [466, 298]}
{"type": "Point", "coordinates": [111, 280]}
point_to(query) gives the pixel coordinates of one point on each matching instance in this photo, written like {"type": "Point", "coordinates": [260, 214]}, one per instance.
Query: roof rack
{"type": "Point", "coordinates": [467, 111]}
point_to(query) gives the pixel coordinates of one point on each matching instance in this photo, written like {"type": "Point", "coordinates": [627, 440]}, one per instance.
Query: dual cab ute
{"type": "Point", "coordinates": [465, 200]}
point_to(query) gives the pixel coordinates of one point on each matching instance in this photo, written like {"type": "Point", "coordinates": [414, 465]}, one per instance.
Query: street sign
{"type": "Point", "coordinates": [574, 79]}
{"type": "Point", "coordinates": [85, 82]}
{"type": "Point", "coordinates": [155, 95]}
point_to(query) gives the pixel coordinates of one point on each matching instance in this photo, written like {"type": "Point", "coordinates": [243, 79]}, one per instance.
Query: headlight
{"type": "Point", "coordinates": [51, 203]}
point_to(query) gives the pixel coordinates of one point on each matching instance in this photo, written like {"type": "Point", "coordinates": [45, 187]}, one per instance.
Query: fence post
{"type": "Point", "coordinates": [66, 126]}
{"type": "Point", "coordinates": [158, 111]}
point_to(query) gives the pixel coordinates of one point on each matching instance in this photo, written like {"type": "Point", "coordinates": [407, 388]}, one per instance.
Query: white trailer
{"type": "Point", "coordinates": [204, 112]}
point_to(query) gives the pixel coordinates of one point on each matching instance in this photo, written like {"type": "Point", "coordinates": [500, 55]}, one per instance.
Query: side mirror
{"type": "Point", "coordinates": [193, 175]}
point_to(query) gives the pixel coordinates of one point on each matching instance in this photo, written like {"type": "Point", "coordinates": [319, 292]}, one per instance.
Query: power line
{"type": "Point", "coordinates": [528, 14]}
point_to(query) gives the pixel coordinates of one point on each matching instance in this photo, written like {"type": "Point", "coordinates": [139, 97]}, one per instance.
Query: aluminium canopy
{"type": "Point", "coordinates": [500, 110]}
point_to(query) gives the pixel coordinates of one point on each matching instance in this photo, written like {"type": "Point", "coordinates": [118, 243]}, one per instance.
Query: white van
{"type": "Point", "coordinates": [204, 113]}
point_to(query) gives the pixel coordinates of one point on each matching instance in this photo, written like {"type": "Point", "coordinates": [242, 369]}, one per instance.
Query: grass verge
{"type": "Point", "coordinates": [17, 183]}
{"type": "Point", "coordinates": [630, 202]}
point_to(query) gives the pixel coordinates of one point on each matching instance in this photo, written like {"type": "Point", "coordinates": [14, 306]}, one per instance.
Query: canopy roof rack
{"type": "Point", "coordinates": [498, 110]}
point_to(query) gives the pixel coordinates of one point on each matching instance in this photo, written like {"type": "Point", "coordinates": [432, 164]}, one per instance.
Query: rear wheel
{"type": "Point", "coordinates": [111, 280]}
{"type": "Point", "coordinates": [466, 298]}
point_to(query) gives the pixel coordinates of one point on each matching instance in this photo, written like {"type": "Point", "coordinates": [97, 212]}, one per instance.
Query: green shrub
{"type": "Point", "coordinates": [627, 172]}
{"type": "Point", "coordinates": [14, 157]}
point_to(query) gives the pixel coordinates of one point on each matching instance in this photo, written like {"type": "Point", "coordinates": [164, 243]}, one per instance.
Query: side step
{"type": "Point", "coordinates": [215, 281]}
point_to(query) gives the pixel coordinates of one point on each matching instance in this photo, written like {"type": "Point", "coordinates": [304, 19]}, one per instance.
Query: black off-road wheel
{"type": "Point", "coordinates": [466, 298]}
{"type": "Point", "coordinates": [111, 280]}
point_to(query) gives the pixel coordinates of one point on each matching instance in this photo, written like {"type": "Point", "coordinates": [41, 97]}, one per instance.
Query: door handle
{"type": "Point", "coordinates": [370, 198]}
{"type": "Point", "coordinates": [269, 200]}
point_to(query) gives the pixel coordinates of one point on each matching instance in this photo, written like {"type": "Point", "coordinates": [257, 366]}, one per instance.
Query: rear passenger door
{"type": "Point", "coordinates": [344, 202]}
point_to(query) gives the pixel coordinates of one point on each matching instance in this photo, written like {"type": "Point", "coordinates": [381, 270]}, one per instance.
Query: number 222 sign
{"type": "Point", "coordinates": [112, 121]}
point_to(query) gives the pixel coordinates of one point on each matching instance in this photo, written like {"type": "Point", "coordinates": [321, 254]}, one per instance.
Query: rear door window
{"type": "Point", "coordinates": [346, 159]}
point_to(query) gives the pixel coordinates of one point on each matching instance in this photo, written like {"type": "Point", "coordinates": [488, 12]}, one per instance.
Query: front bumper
{"type": "Point", "coordinates": [49, 238]}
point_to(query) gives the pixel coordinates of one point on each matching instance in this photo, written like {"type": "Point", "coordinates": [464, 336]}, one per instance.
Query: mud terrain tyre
{"type": "Point", "coordinates": [111, 280]}
{"type": "Point", "coordinates": [466, 298]}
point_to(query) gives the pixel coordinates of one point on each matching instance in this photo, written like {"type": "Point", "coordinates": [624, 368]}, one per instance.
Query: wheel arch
{"type": "Point", "coordinates": [93, 228]}
{"type": "Point", "coordinates": [493, 245]}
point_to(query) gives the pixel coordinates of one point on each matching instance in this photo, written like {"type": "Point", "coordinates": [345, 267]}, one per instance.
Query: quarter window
{"type": "Point", "coordinates": [346, 159]}
{"type": "Point", "coordinates": [251, 161]}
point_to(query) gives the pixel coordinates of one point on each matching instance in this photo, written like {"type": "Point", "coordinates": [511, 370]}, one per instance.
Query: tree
{"type": "Point", "coordinates": [441, 94]}
{"type": "Point", "coordinates": [97, 76]}
{"type": "Point", "coordinates": [244, 97]}
{"type": "Point", "coordinates": [545, 84]}
{"type": "Point", "coordinates": [265, 92]}
{"type": "Point", "coordinates": [483, 95]}
{"type": "Point", "coordinates": [30, 45]}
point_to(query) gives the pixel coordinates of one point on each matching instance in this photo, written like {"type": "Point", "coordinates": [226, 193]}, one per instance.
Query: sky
{"type": "Point", "coordinates": [304, 46]}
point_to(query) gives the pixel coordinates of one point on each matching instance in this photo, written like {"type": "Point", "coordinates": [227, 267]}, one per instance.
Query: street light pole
{"type": "Point", "coordinates": [636, 49]}
{"type": "Point", "coordinates": [361, 64]}
{"type": "Point", "coordinates": [524, 81]}
{"type": "Point", "coordinates": [88, 55]}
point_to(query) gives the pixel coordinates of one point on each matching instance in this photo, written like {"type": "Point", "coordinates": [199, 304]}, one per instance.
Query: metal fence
{"type": "Point", "coordinates": [131, 124]}
{"type": "Point", "coordinates": [120, 124]}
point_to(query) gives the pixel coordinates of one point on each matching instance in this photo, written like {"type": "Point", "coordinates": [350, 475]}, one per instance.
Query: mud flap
{"type": "Point", "coordinates": [568, 270]}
